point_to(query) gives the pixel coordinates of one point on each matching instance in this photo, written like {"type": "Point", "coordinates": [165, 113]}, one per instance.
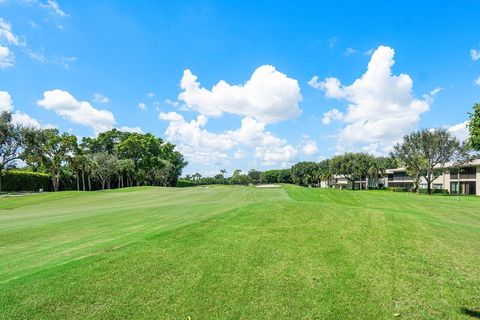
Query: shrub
{"type": "Point", "coordinates": [16, 180]}
{"type": "Point", "coordinates": [434, 191]}
{"type": "Point", "coordinates": [184, 183]}
{"type": "Point", "coordinates": [396, 189]}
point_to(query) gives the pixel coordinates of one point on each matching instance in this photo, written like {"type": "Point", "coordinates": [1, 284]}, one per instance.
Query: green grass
{"type": "Point", "coordinates": [239, 253]}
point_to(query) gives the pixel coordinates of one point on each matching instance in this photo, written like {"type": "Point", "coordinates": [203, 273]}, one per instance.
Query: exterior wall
{"type": "Point", "coordinates": [443, 180]}
{"type": "Point", "coordinates": [478, 181]}
{"type": "Point", "coordinates": [446, 181]}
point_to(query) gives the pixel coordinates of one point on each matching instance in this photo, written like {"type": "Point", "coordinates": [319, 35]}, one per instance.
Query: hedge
{"type": "Point", "coordinates": [15, 180]}
{"type": "Point", "coordinates": [184, 183]}
{"type": "Point", "coordinates": [396, 189]}
{"type": "Point", "coordinates": [434, 191]}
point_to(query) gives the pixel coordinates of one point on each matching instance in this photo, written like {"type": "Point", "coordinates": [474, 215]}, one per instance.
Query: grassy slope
{"type": "Point", "coordinates": [236, 252]}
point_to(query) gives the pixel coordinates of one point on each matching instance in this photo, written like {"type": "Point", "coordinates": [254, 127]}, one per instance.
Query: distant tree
{"type": "Point", "coordinates": [301, 170]}
{"type": "Point", "coordinates": [106, 166]}
{"type": "Point", "coordinates": [324, 172]}
{"type": "Point", "coordinates": [48, 149]}
{"type": "Point", "coordinates": [236, 172]}
{"type": "Point", "coordinates": [126, 170]}
{"type": "Point", "coordinates": [254, 176]}
{"type": "Point", "coordinates": [474, 127]}
{"type": "Point", "coordinates": [352, 166]}
{"type": "Point", "coordinates": [425, 153]}
{"type": "Point", "coordinates": [10, 142]}
{"type": "Point", "coordinates": [105, 141]}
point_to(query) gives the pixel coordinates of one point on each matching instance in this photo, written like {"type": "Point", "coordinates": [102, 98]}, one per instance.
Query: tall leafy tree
{"type": "Point", "coordinates": [352, 166]}
{"type": "Point", "coordinates": [474, 127]}
{"type": "Point", "coordinates": [106, 166]}
{"type": "Point", "coordinates": [48, 149]}
{"type": "Point", "coordinates": [301, 170]}
{"type": "Point", "coordinates": [425, 153]}
{"type": "Point", "coordinates": [10, 142]}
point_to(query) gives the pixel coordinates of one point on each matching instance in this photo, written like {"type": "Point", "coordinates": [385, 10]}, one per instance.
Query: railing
{"type": "Point", "coordinates": [463, 176]}
{"type": "Point", "coordinates": [404, 178]}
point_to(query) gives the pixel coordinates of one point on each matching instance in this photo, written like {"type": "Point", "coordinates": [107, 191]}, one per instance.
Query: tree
{"type": "Point", "coordinates": [48, 149]}
{"type": "Point", "coordinates": [425, 153]}
{"type": "Point", "coordinates": [474, 127]}
{"type": "Point", "coordinates": [254, 176]}
{"type": "Point", "coordinates": [324, 172]}
{"type": "Point", "coordinates": [10, 142]}
{"type": "Point", "coordinates": [352, 166]}
{"type": "Point", "coordinates": [126, 169]}
{"type": "Point", "coordinates": [106, 166]}
{"type": "Point", "coordinates": [301, 170]}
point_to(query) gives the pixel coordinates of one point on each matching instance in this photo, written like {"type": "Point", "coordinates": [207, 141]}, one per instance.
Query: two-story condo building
{"type": "Point", "coordinates": [462, 179]}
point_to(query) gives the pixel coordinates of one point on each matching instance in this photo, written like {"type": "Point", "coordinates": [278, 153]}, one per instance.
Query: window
{"type": "Point", "coordinates": [437, 186]}
{"type": "Point", "coordinates": [454, 187]}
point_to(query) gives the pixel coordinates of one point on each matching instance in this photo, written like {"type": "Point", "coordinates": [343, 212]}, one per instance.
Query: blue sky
{"type": "Point", "coordinates": [243, 85]}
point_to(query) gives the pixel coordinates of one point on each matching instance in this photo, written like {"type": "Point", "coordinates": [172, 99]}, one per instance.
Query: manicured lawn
{"type": "Point", "coordinates": [239, 252]}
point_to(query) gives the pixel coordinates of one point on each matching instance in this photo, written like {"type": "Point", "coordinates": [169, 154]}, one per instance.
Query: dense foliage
{"type": "Point", "coordinates": [17, 180]}
{"type": "Point", "coordinates": [474, 127]}
{"type": "Point", "coordinates": [113, 159]}
{"type": "Point", "coordinates": [425, 153]}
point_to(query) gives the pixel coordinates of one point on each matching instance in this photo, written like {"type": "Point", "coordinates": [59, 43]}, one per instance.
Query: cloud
{"type": "Point", "coordinates": [6, 102]}
{"type": "Point", "coordinates": [27, 121]}
{"type": "Point", "coordinates": [50, 5]}
{"type": "Point", "coordinates": [131, 129]}
{"type": "Point", "coordinates": [381, 106]}
{"type": "Point", "coordinates": [6, 57]}
{"type": "Point", "coordinates": [350, 51]}
{"type": "Point", "coordinates": [142, 106]}
{"type": "Point", "coordinates": [18, 117]}
{"type": "Point", "coordinates": [477, 81]}
{"type": "Point", "coordinates": [369, 52]}
{"type": "Point", "coordinates": [240, 154]}
{"type": "Point", "coordinates": [332, 115]}
{"type": "Point", "coordinates": [201, 146]}
{"type": "Point", "coordinates": [460, 130]}
{"type": "Point", "coordinates": [151, 94]}
{"type": "Point", "coordinates": [100, 98]}
{"type": "Point", "coordinates": [269, 96]}
{"type": "Point", "coordinates": [309, 146]}
{"type": "Point", "coordinates": [79, 112]}
{"type": "Point", "coordinates": [6, 34]}
{"type": "Point", "coordinates": [474, 54]}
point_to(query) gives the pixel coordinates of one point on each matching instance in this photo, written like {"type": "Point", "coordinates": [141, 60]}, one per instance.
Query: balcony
{"type": "Point", "coordinates": [462, 176]}
{"type": "Point", "coordinates": [400, 178]}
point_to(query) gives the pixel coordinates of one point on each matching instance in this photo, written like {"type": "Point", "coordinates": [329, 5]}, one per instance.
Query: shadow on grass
{"type": "Point", "coordinates": [471, 313]}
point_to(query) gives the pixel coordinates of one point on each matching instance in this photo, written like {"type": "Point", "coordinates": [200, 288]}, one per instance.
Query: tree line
{"type": "Point", "coordinates": [113, 159]}
{"type": "Point", "coordinates": [423, 154]}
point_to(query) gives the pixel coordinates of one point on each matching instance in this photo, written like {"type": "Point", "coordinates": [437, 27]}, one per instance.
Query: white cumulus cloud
{"type": "Point", "coordinates": [79, 112]}
{"type": "Point", "coordinates": [6, 102]}
{"type": "Point", "coordinates": [381, 106]}
{"type": "Point", "coordinates": [460, 130]}
{"type": "Point", "coordinates": [142, 106]}
{"type": "Point", "coordinates": [131, 129]}
{"type": "Point", "coordinates": [269, 96]}
{"type": "Point", "coordinates": [18, 117]}
{"type": "Point", "coordinates": [309, 146]}
{"type": "Point", "coordinates": [204, 147]}
{"type": "Point", "coordinates": [332, 115]}
{"type": "Point", "coordinates": [477, 81]}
